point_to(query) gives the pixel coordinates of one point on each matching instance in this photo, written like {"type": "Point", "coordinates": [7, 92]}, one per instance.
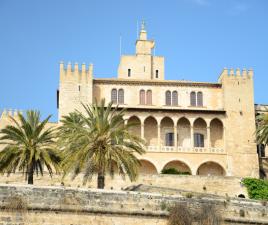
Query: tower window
{"type": "Point", "coordinates": [156, 74]}
{"type": "Point", "coordinates": [129, 72]}
{"type": "Point", "coordinates": [144, 69]}
{"type": "Point", "coordinates": [79, 88]}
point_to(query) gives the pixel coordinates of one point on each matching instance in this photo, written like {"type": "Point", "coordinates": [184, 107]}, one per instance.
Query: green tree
{"type": "Point", "coordinates": [262, 129]}
{"type": "Point", "coordinates": [29, 146]}
{"type": "Point", "coordinates": [99, 142]}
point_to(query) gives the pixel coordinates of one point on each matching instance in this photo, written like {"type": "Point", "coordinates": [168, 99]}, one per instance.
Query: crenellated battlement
{"type": "Point", "coordinates": [237, 73]}
{"type": "Point", "coordinates": [10, 112]}
{"type": "Point", "coordinates": [75, 72]}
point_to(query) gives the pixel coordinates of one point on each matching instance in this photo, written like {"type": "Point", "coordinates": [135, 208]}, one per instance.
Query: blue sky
{"type": "Point", "coordinates": [197, 37]}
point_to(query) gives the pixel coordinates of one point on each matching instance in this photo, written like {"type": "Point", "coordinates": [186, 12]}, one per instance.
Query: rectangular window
{"type": "Point", "coordinates": [129, 72]}
{"type": "Point", "coordinates": [199, 140]}
{"type": "Point", "coordinates": [169, 139]}
{"type": "Point", "coordinates": [156, 74]}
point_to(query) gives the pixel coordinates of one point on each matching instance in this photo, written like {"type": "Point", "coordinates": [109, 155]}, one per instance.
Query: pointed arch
{"type": "Point", "coordinates": [120, 96]}
{"type": "Point", "coordinates": [168, 98]}
{"type": "Point", "coordinates": [114, 96]}
{"type": "Point", "coordinates": [174, 98]}
{"type": "Point", "coordinates": [142, 97]}
{"type": "Point", "coordinates": [193, 98]}
{"type": "Point", "coordinates": [199, 99]}
{"type": "Point", "coordinates": [149, 97]}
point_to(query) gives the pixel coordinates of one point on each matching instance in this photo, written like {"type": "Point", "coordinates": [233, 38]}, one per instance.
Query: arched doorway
{"type": "Point", "coordinates": [200, 133]}
{"type": "Point", "coordinates": [147, 168]}
{"type": "Point", "coordinates": [184, 132]}
{"type": "Point", "coordinates": [178, 165]}
{"type": "Point", "coordinates": [150, 131]}
{"type": "Point", "coordinates": [216, 133]}
{"type": "Point", "coordinates": [135, 125]}
{"type": "Point", "coordinates": [211, 169]}
{"type": "Point", "coordinates": [167, 132]}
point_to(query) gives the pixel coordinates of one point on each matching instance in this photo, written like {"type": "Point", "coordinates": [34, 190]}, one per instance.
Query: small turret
{"type": "Point", "coordinates": [76, 86]}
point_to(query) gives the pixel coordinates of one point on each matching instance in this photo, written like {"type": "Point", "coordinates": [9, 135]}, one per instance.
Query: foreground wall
{"type": "Point", "coordinates": [224, 186]}
{"type": "Point", "coordinates": [55, 205]}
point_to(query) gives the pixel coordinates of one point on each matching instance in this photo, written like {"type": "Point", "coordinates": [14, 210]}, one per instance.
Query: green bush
{"type": "Point", "coordinates": [257, 189]}
{"type": "Point", "coordinates": [174, 171]}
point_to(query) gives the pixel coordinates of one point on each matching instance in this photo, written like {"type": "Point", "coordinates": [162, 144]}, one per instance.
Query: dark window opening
{"type": "Point", "coordinates": [129, 72]}
{"type": "Point", "coordinates": [198, 140]}
{"type": "Point", "coordinates": [169, 139]}
{"type": "Point", "coordinates": [58, 98]}
{"type": "Point", "coordinates": [156, 74]}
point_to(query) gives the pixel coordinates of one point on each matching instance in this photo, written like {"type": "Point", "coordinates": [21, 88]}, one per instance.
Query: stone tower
{"type": "Point", "coordinates": [238, 102]}
{"type": "Point", "coordinates": [143, 65]}
{"type": "Point", "coordinates": [75, 87]}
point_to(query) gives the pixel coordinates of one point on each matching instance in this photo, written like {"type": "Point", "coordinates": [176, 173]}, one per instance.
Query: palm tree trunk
{"type": "Point", "coordinates": [30, 175]}
{"type": "Point", "coordinates": [101, 179]}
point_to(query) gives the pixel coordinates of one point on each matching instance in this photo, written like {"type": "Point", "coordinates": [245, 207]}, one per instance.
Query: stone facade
{"type": "Point", "coordinates": [197, 127]}
{"type": "Point", "coordinates": [62, 206]}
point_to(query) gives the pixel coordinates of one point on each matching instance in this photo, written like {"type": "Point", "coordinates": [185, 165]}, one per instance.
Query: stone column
{"type": "Point", "coordinates": [208, 137]}
{"type": "Point", "coordinates": [192, 136]}
{"type": "Point", "coordinates": [159, 136]}
{"type": "Point", "coordinates": [175, 137]}
{"type": "Point", "coordinates": [224, 139]}
{"type": "Point", "coordinates": [142, 130]}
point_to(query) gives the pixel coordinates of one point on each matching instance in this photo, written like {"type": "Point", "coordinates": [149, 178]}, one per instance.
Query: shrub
{"type": "Point", "coordinates": [257, 189]}
{"type": "Point", "coordinates": [174, 171]}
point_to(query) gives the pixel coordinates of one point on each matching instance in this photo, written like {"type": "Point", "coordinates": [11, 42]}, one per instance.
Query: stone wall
{"type": "Point", "coordinates": [224, 186]}
{"type": "Point", "coordinates": [56, 205]}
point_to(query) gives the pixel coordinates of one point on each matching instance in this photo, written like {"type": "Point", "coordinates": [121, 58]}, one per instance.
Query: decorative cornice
{"type": "Point", "coordinates": [156, 83]}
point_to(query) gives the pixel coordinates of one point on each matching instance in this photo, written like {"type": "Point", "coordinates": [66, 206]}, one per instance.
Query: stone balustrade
{"type": "Point", "coordinates": [181, 149]}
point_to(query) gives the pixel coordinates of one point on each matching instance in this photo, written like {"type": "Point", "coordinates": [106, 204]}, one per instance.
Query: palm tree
{"type": "Point", "coordinates": [262, 129]}
{"type": "Point", "coordinates": [99, 142]}
{"type": "Point", "coordinates": [29, 146]}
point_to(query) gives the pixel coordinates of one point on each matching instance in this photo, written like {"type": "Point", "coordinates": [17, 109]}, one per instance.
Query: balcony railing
{"type": "Point", "coordinates": [210, 150]}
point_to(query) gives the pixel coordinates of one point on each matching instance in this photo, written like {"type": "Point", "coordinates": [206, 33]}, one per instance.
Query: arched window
{"type": "Point", "coordinates": [129, 72]}
{"type": "Point", "coordinates": [168, 98]}
{"type": "Point", "coordinates": [156, 74]}
{"type": "Point", "coordinates": [114, 96]}
{"type": "Point", "coordinates": [175, 98]}
{"type": "Point", "coordinates": [198, 140]}
{"type": "Point", "coordinates": [149, 97]}
{"type": "Point", "coordinates": [120, 96]}
{"type": "Point", "coordinates": [142, 97]}
{"type": "Point", "coordinates": [199, 98]}
{"type": "Point", "coordinates": [193, 98]}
